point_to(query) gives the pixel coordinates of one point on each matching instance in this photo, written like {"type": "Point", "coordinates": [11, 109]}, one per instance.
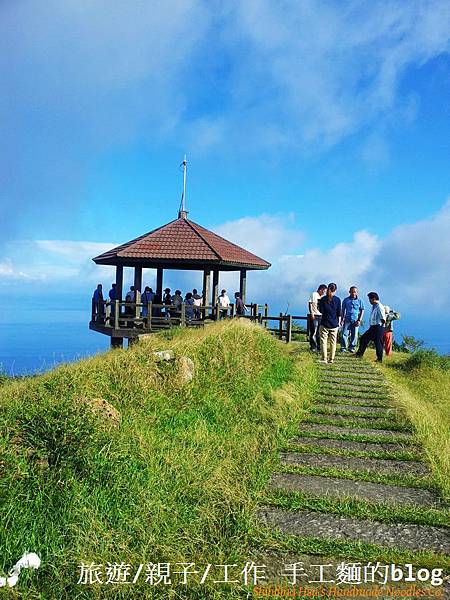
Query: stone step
{"type": "Point", "coordinates": [373, 465]}
{"type": "Point", "coordinates": [334, 487]}
{"type": "Point", "coordinates": [347, 381]}
{"type": "Point", "coordinates": [353, 445]}
{"type": "Point", "coordinates": [375, 402]}
{"type": "Point", "coordinates": [354, 367]}
{"type": "Point", "coordinates": [332, 370]}
{"type": "Point", "coordinates": [337, 419]}
{"type": "Point", "coordinates": [352, 394]}
{"type": "Point", "coordinates": [317, 428]}
{"type": "Point", "coordinates": [328, 382]}
{"type": "Point", "coordinates": [334, 408]}
{"type": "Point", "coordinates": [355, 392]}
{"type": "Point", "coordinates": [335, 527]}
{"type": "Point", "coordinates": [354, 380]}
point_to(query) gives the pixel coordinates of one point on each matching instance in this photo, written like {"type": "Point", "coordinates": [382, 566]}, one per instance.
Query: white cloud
{"type": "Point", "coordinates": [311, 73]}
{"type": "Point", "coordinates": [73, 251]}
{"type": "Point", "coordinates": [267, 236]}
{"type": "Point", "coordinates": [409, 267]}
{"type": "Point", "coordinates": [50, 262]}
{"type": "Point", "coordinates": [7, 271]}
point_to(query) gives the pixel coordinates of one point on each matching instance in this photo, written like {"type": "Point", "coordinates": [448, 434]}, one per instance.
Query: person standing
{"type": "Point", "coordinates": [167, 301]}
{"type": "Point", "coordinates": [314, 317]}
{"type": "Point", "coordinates": [197, 303]}
{"type": "Point", "coordinates": [376, 330]}
{"type": "Point", "coordinates": [330, 309]}
{"type": "Point", "coordinates": [189, 308]}
{"type": "Point", "coordinates": [224, 303]}
{"type": "Point", "coordinates": [112, 301]}
{"type": "Point", "coordinates": [147, 297]}
{"type": "Point", "coordinates": [130, 299]}
{"type": "Point", "coordinates": [391, 316]}
{"type": "Point", "coordinates": [239, 304]}
{"type": "Point", "coordinates": [177, 301]}
{"type": "Point", "coordinates": [98, 307]}
{"type": "Point", "coordinates": [351, 319]}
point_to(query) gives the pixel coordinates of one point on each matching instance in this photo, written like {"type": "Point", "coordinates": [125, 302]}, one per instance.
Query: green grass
{"type": "Point", "coordinates": [422, 388]}
{"type": "Point", "coordinates": [176, 481]}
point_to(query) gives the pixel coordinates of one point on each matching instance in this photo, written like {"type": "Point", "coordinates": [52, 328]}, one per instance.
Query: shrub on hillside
{"type": "Point", "coordinates": [409, 344]}
{"type": "Point", "coordinates": [427, 358]}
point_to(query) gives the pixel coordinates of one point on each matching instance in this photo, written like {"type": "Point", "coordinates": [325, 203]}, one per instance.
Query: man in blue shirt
{"type": "Point", "coordinates": [351, 318]}
{"type": "Point", "coordinates": [98, 307]}
{"type": "Point", "coordinates": [330, 309]}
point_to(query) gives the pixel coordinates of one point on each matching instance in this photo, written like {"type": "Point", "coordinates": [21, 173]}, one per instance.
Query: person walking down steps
{"type": "Point", "coordinates": [330, 308]}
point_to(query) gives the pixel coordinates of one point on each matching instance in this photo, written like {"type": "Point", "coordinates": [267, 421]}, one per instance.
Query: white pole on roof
{"type": "Point", "coordinates": [183, 197]}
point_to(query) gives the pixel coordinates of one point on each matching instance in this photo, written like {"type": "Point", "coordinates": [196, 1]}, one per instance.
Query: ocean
{"type": "Point", "coordinates": [47, 332]}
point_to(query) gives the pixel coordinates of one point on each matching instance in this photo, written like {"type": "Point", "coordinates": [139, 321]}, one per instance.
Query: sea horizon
{"type": "Point", "coordinates": [56, 333]}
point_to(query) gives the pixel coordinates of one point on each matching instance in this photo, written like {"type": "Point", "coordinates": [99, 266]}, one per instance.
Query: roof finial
{"type": "Point", "coordinates": [182, 213]}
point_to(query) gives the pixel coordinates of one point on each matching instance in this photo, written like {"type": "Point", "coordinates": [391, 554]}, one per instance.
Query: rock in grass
{"type": "Point", "coordinates": [105, 411]}
{"type": "Point", "coordinates": [186, 368]}
{"type": "Point", "coordinates": [164, 355]}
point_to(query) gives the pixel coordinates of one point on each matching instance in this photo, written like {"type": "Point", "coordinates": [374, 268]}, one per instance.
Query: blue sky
{"type": "Point", "coordinates": [317, 135]}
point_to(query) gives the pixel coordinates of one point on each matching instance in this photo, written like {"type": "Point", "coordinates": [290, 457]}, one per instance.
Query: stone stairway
{"type": "Point", "coordinates": [355, 446]}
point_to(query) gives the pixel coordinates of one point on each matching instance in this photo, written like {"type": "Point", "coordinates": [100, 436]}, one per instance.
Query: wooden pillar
{"type": "Point", "coordinates": [119, 282]}
{"type": "Point", "coordinates": [137, 290]}
{"type": "Point", "coordinates": [280, 330]}
{"type": "Point", "coordinates": [206, 286]}
{"type": "Point", "coordinates": [138, 278]}
{"type": "Point", "coordinates": [243, 284]}
{"type": "Point", "coordinates": [289, 329]}
{"type": "Point", "coordinates": [159, 282]}
{"type": "Point", "coordinates": [215, 287]}
{"type": "Point", "coordinates": [116, 342]}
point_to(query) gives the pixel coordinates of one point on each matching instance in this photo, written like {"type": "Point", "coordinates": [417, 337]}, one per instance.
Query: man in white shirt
{"type": "Point", "coordinates": [314, 317]}
{"type": "Point", "coordinates": [375, 332]}
{"type": "Point", "coordinates": [224, 303]}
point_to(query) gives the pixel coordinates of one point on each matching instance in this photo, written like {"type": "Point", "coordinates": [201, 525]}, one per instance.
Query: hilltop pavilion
{"type": "Point", "coordinates": [181, 245]}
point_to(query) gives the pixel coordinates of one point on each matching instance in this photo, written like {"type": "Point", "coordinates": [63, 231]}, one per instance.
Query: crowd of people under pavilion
{"type": "Point", "coordinates": [151, 304]}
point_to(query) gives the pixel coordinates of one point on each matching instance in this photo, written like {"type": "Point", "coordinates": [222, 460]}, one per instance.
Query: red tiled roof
{"type": "Point", "coordinates": [183, 240]}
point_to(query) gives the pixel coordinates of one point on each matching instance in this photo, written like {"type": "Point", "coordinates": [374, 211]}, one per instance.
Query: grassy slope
{"type": "Point", "coordinates": [177, 481]}
{"type": "Point", "coordinates": [424, 392]}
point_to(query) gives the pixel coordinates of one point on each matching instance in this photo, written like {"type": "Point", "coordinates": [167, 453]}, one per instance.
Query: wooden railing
{"type": "Point", "coordinates": [128, 317]}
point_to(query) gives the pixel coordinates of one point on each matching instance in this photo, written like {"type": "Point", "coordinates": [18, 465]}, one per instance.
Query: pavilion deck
{"type": "Point", "coordinates": [131, 319]}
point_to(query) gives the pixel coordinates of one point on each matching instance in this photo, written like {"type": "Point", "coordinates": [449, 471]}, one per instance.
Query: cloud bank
{"type": "Point", "coordinates": [409, 267]}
